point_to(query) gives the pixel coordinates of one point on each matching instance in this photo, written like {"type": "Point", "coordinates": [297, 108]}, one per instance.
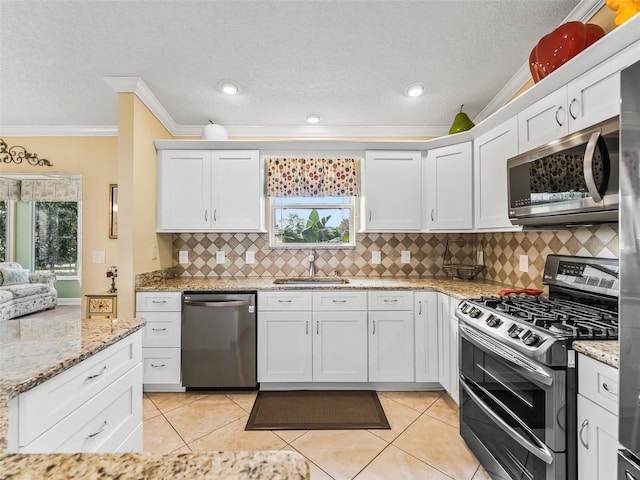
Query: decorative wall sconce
{"type": "Point", "coordinates": [18, 154]}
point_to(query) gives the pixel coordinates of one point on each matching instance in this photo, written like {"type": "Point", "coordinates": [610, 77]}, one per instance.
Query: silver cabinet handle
{"type": "Point", "coordinates": [420, 307]}
{"type": "Point", "coordinates": [369, 214]}
{"type": "Point", "coordinates": [206, 215]}
{"type": "Point", "coordinates": [317, 327]}
{"type": "Point", "coordinates": [158, 329]}
{"type": "Point", "coordinates": [560, 110]}
{"type": "Point", "coordinates": [338, 301]}
{"type": "Point", "coordinates": [100, 430]}
{"type": "Point", "coordinates": [306, 327]}
{"type": "Point", "coordinates": [390, 300]}
{"type": "Point", "coordinates": [96, 375]}
{"type": "Point", "coordinates": [284, 301]}
{"type": "Point", "coordinates": [432, 212]}
{"type": "Point", "coordinates": [159, 366]}
{"type": "Point", "coordinates": [584, 425]}
{"type": "Point", "coordinates": [215, 216]}
{"type": "Point", "coordinates": [374, 327]}
{"type": "Point", "coordinates": [158, 301]}
{"type": "Point", "coordinates": [573, 102]}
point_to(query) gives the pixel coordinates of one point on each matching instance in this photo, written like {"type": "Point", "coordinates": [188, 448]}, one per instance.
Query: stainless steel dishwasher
{"type": "Point", "coordinates": [219, 340]}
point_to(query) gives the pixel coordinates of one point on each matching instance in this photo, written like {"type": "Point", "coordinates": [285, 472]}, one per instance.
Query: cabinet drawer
{"type": "Point", "coordinates": [159, 301]}
{"type": "Point", "coordinates": [289, 300]}
{"type": "Point", "coordinates": [598, 382]}
{"type": "Point", "coordinates": [133, 443]}
{"type": "Point", "coordinates": [48, 403]}
{"type": "Point", "coordinates": [161, 365]}
{"type": "Point", "coordinates": [162, 329]}
{"type": "Point", "coordinates": [390, 300]}
{"type": "Point", "coordinates": [99, 425]}
{"type": "Point", "coordinates": [345, 300]}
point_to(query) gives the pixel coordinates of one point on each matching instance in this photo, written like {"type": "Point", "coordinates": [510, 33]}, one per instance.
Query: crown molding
{"type": "Point", "coordinates": [59, 130]}
{"type": "Point", "coordinates": [582, 12]}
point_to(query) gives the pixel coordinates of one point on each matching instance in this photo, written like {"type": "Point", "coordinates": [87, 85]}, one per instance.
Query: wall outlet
{"type": "Point", "coordinates": [183, 257]}
{"type": "Point", "coordinates": [524, 263]}
{"type": "Point", "coordinates": [220, 257]}
{"type": "Point", "coordinates": [98, 256]}
{"type": "Point", "coordinates": [376, 257]}
{"type": "Point", "coordinates": [250, 257]}
{"type": "Point", "coordinates": [405, 256]}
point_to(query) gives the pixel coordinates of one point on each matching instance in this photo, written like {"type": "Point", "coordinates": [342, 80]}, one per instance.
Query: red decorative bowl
{"type": "Point", "coordinates": [560, 46]}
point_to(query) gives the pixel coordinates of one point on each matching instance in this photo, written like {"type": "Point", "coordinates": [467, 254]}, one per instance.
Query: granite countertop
{"type": "Point", "coordinates": [605, 351]}
{"type": "Point", "coordinates": [453, 287]}
{"type": "Point", "coordinates": [33, 350]}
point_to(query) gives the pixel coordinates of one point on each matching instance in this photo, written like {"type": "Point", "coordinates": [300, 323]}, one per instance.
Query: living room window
{"type": "Point", "coordinates": [55, 230]}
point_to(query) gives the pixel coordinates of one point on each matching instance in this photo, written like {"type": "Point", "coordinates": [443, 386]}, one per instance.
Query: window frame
{"type": "Point", "coordinates": [353, 205]}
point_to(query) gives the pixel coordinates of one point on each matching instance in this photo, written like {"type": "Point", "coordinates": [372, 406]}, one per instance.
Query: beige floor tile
{"type": "Point", "coordinates": [481, 474]}
{"type": "Point", "coordinates": [159, 436]}
{"type": "Point", "coordinates": [234, 437]}
{"type": "Point", "coordinates": [445, 409]}
{"type": "Point", "coordinates": [184, 449]}
{"type": "Point", "coordinates": [316, 473]}
{"type": "Point", "coordinates": [168, 401]}
{"type": "Point", "coordinates": [439, 445]}
{"type": "Point", "coordinates": [395, 464]}
{"type": "Point", "coordinates": [340, 453]}
{"type": "Point", "coordinates": [419, 401]}
{"type": "Point", "coordinates": [289, 435]}
{"type": "Point", "coordinates": [203, 416]}
{"type": "Point", "coordinates": [244, 399]}
{"type": "Point", "coordinates": [400, 417]}
{"type": "Point", "coordinates": [149, 410]}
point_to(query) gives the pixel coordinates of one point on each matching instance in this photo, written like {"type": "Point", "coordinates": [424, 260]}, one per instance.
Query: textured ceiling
{"type": "Point", "coordinates": [349, 61]}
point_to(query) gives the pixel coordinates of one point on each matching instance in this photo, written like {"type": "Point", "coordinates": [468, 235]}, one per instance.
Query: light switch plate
{"type": "Point", "coordinates": [376, 257]}
{"type": "Point", "coordinates": [220, 257]}
{"type": "Point", "coordinates": [524, 263]}
{"type": "Point", "coordinates": [250, 257]}
{"type": "Point", "coordinates": [183, 257]}
{"type": "Point", "coordinates": [405, 256]}
{"type": "Point", "coordinates": [98, 256]}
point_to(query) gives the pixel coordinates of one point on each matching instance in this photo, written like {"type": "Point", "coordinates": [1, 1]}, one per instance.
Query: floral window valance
{"type": "Point", "coordinates": [63, 190]}
{"type": "Point", "coordinates": [313, 177]}
{"type": "Point", "coordinates": [9, 189]}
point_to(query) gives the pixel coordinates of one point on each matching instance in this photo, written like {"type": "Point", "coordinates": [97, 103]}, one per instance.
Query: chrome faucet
{"type": "Point", "coordinates": [311, 267]}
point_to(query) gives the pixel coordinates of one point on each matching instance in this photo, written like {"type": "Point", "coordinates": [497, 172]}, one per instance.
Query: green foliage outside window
{"type": "Point", "coordinates": [56, 237]}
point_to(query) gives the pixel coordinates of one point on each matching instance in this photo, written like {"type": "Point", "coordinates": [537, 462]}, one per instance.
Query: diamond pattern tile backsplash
{"type": "Point", "coordinates": [501, 252]}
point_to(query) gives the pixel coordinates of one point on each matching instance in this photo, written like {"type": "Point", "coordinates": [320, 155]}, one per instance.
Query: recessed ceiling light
{"type": "Point", "coordinates": [230, 88]}
{"type": "Point", "coordinates": [415, 90]}
{"type": "Point", "coordinates": [313, 118]}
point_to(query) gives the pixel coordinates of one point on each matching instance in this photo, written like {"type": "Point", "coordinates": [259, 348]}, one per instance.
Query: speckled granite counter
{"type": "Point", "coordinates": [453, 287]}
{"type": "Point", "coordinates": [605, 351]}
{"type": "Point", "coordinates": [33, 350]}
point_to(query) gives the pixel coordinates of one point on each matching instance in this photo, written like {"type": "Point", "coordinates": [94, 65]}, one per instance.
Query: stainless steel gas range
{"type": "Point", "coordinates": [518, 377]}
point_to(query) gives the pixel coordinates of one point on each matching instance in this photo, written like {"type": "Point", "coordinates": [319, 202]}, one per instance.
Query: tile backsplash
{"type": "Point", "coordinates": [427, 251]}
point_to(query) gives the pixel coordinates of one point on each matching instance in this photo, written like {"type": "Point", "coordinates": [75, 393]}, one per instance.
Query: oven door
{"type": "Point", "coordinates": [513, 408]}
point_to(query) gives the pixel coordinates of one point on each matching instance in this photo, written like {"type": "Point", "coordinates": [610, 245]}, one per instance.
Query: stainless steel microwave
{"type": "Point", "coordinates": [573, 181]}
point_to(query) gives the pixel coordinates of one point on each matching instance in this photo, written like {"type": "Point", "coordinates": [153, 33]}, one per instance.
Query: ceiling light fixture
{"type": "Point", "coordinates": [313, 118]}
{"type": "Point", "coordinates": [415, 90]}
{"type": "Point", "coordinates": [230, 88]}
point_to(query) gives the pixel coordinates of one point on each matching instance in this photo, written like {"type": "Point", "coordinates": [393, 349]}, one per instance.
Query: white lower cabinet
{"type": "Point", "coordinates": [444, 342]}
{"type": "Point", "coordinates": [426, 336]}
{"type": "Point", "coordinates": [454, 354]}
{"type": "Point", "coordinates": [162, 338]}
{"type": "Point", "coordinates": [597, 420]}
{"type": "Point", "coordinates": [94, 406]}
{"type": "Point", "coordinates": [391, 337]}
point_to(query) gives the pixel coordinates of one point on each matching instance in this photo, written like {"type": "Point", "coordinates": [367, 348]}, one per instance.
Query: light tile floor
{"type": "Point", "coordinates": [423, 442]}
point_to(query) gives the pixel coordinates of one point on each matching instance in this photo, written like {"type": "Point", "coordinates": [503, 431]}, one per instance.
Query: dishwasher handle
{"type": "Point", "coordinates": [221, 304]}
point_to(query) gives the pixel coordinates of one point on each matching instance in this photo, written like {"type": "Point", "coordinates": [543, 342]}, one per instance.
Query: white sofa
{"type": "Point", "coordinates": [22, 292]}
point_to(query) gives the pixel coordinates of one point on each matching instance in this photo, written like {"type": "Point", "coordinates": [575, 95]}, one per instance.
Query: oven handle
{"type": "Point", "coordinates": [533, 372]}
{"type": "Point", "coordinates": [589, 176]}
{"type": "Point", "coordinates": [541, 450]}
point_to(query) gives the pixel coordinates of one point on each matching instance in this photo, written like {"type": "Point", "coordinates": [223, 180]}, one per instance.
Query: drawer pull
{"type": "Point", "coordinates": [100, 430]}
{"type": "Point", "coordinates": [158, 301]}
{"type": "Point", "coordinates": [95, 375]}
{"type": "Point", "coordinates": [374, 327]}
{"type": "Point", "coordinates": [159, 366]}
{"type": "Point", "coordinates": [584, 425]}
{"type": "Point", "coordinates": [392, 300]}
{"type": "Point", "coordinates": [338, 301]}
{"type": "Point", "coordinates": [606, 387]}
{"type": "Point", "coordinates": [306, 327]}
{"type": "Point", "coordinates": [284, 301]}
{"type": "Point", "coordinates": [159, 329]}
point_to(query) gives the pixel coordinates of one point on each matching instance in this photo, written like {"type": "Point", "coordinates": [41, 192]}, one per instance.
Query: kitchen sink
{"type": "Point", "coordinates": [311, 281]}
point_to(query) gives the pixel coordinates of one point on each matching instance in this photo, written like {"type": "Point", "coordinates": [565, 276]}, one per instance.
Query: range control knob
{"type": "Point", "coordinates": [514, 331]}
{"type": "Point", "coordinates": [493, 321]}
{"type": "Point", "coordinates": [529, 338]}
{"type": "Point", "coordinates": [475, 312]}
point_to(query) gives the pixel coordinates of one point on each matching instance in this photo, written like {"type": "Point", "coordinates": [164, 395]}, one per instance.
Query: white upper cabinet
{"type": "Point", "coordinates": [391, 191]}
{"type": "Point", "coordinates": [449, 187]}
{"type": "Point", "coordinates": [210, 190]}
{"type": "Point", "coordinates": [490, 153]}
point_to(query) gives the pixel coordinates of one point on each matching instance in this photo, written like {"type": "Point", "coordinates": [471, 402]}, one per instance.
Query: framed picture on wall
{"type": "Point", "coordinates": [113, 210]}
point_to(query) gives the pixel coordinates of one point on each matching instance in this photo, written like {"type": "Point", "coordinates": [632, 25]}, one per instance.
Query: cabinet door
{"type": "Point", "coordinates": [544, 121]}
{"type": "Point", "coordinates": [238, 198]}
{"type": "Point", "coordinates": [340, 346]}
{"type": "Point", "coordinates": [184, 190]}
{"type": "Point", "coordinates": [391, 346]}
{"type": "Point", "coordinates": [392, 191]}
{"type": "Point", "coordinates": [444, 342]}
{"type": "Point", "coordinates": [284, 346]}
{"type": "Point", "coordinates": [490, 153]}
{"type": "Point", "coordinates": [597, 441]}
{"type": "Point", "coordinates": [454, 358]}
{"type": "Point", "coordinates": [426, 336]}
{"type": "Point", "coordinates": [449, 184]}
